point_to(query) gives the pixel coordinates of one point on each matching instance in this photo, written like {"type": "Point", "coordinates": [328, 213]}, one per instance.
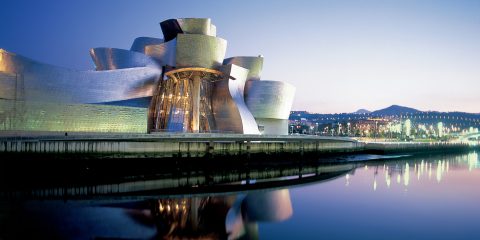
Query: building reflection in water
{"type": "Point", "coordinates": [421, 169]}
{"type": "Point", "coordinates": [221, 217]}
{"type": "Point", "coordinates": [209, 217]}
{"type": "Point", "coordinates": [212, 215]}
{"type": "Point", "coordinates": [228, 206]}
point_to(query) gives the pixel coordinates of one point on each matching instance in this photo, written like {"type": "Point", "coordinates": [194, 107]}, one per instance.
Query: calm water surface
{"type": "Point", "coordinates": [431, 197]}
{"type": "Point", "coordinates": [423, 198]}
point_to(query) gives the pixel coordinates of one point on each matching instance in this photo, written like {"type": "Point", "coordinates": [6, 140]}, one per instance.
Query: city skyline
{"type": "Point", "coordinates": [341, 56]}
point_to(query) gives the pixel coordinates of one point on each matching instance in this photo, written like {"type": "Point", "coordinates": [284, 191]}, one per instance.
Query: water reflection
{"type": "Point", "coordinates": [220, 217]}
{"type": "Point", "coordinates": [293, 200]}
{"type": "Point", "coordinates": [423, 197]}
{"type": "Point", "coordinates": [420, 168]}
{"type": "Point", "coordinates": [155, 209]}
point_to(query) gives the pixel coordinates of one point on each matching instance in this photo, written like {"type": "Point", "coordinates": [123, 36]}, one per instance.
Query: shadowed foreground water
{"type": "Point", "coordinates": [425, 197]}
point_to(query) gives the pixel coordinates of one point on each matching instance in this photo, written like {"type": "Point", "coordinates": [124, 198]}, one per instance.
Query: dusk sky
{"type": "Point", "coordinates": [340, 55]}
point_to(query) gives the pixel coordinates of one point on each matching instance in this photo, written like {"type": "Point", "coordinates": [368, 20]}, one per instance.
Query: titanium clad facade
{"type": "Point", "coordinates": [46, 83]}
{"type": "Point", "coordinates": [163, 53]}
{"type": "Point", "coordinates": [55, 117]}
{"type": "Point", "coordinates": [194, 50]}
{"type": "Point", "coordinates": [180, 84]}
{"type": "Point", "coordinates": [189, 50]}
{"type": "Point", "coordinates": [213, 30]}
{"type": "Point", "coordinates": [114, 58]}
{"type": "Point", "coordinates": [170, 29]}
{"type": "Point", "coordinates": [270, 103]}
{"type": "Point", "coordinates": [8, 86]}
{"type": "Point", "coordinates": [41, 97]}
{"type": "Point", "coordinates": [231, 113]}
{"type": "Point", "coordinates": [269, 99]}
{"type": "Point", "coordinates": [253, 64]}
{"type": "Point", "coordinates": [201, 26]}
{"type": "Point", "coordinates": [140, 43]}
{"type": "Point", "coordinates": [272, 126]}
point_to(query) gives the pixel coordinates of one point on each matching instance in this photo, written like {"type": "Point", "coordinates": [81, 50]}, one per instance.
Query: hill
{"type": "Point", "coordinates": [395, 110]}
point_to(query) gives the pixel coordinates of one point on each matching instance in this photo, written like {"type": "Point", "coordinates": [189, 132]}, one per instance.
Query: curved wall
{"type": "Point", "coordinates": [140, 43]}
{"type": "Point", "coordinates": [164, 53]}
{"type": "Point", "coordinates": [61, 117]}
{"type": "Point", "coordinates": [114, 58]}
{"type": "Point", "coordinates": [194, 50]}
{"type": "Point", "coordinates": [36, 81]}
{"type": "Point", "coordinates": [197, 26]}
{"type": "Point", "coordinates": [229, 108]}
{"type": "Point", "coordinates": [189, 50]}
{"type": "Point", "coordinates": [172, 27]}
{"type": "Point", "coordinates": [253, 64]}
{"type": "Point", "coordinates": [272, 126]}
{"type": "Point", "coordinates": [269, 99]}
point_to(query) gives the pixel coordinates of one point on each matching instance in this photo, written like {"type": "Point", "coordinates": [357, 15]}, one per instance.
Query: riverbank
{"type": "Point", "coordinates": [171, 145]}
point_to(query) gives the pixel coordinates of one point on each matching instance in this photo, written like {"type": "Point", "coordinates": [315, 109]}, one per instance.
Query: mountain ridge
{"type": "Point", "coordinates": [395, 110]}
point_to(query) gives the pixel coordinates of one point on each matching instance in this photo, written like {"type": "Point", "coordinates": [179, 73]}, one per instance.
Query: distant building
{"type": "Point", "coordinates": [181, 83]}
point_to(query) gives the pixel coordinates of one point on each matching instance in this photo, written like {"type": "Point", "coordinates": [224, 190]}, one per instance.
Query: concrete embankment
{"type": "Point", "coordinates": [200, 145]}
{"type": "Point", "coordinates": [175, 145]}
{"type": "Point", "coordinates": [414, 147]}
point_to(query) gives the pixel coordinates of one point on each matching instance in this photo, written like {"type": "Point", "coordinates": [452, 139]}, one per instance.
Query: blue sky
{"type": "Point", "coordinates": [341, 55]}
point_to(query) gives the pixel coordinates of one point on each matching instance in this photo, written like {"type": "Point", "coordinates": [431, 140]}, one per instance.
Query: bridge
{"type": "Point", "coordinates": [470, 136]}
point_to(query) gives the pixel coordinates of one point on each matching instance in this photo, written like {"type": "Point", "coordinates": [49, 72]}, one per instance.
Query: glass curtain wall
{"type": "Point", "coordinates": [183, 101]}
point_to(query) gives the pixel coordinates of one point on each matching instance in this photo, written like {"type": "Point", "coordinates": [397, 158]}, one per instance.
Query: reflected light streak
{"type": "Point", "coordinates": [430, 171]}
{"type": "Point", "coordinates": [406, 177]}
{"type": "Point", "coordinates": [387, 179]}
{"type": "Point", "coordinates": [472, 159]}
{"type": "Point", "coordinates": [418, 173]}
{"type": "Point", "coordinates": [435, 169]}
{"type": "Point", "coordinates": [439, 171]}
{"type": "Point", "coordinates": [422, 166]}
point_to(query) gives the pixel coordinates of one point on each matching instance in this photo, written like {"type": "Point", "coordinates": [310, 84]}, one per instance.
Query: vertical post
{"type": "Point", "coordinates": [197, 81]}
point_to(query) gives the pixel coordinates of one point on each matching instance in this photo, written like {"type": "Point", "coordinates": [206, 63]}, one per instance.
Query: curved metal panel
{"type": "Point", "coordinates": [114, 58]}
{"type": "Point", "coordinates": [269, 99]}
{"type": "Point", "coordinates": [164, 53]}
{"type": "Point", "coordinates": [272, 126]}
{"type": "Point", "coordinates": [231, 113]}
{"type": "Point", "coordinates": [253, 64]}
{"type": "Point", "coordinates": [140, 43]}
{"type": "Point", "coordinates": [65, 117]}
{"type": "Point", "coordinates": [46, 83]}
{"type": "Point", "coordinates": [213, 30]}
{"type": "Point", "coordinates": [197, 26]}
{"type": "Point", "coordinates": [194, 50]}
{"type": "Point", "coordinates": [170, 29]}
{"type": "Point", "coordinates": [143, 102]}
